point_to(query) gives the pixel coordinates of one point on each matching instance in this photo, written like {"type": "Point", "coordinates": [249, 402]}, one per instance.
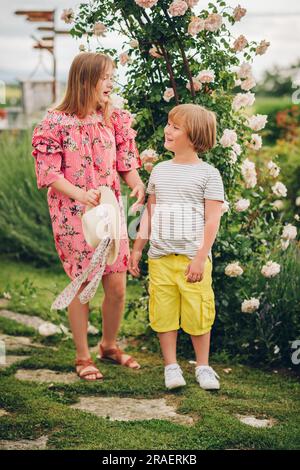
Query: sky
{"type": "Point", "coordinates": [274, 20]}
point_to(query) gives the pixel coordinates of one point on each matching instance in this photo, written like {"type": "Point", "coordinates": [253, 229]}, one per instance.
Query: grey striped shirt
{"type": "Point", "coordinates": [177, 225]}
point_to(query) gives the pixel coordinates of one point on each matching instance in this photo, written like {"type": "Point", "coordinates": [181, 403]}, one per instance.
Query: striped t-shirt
{"type": "Point", "coordinates": [177, 224]}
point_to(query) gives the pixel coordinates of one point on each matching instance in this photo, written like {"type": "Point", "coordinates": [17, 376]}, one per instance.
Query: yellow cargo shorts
{"type": "Point", "coordinates": [175, 303]}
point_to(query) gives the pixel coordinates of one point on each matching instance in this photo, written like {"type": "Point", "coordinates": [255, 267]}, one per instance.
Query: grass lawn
{"type": "Point", "coordinates": [39, 409]}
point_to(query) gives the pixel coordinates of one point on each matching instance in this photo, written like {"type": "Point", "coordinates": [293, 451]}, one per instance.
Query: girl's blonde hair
{"type": "Point", "coordinates": [199, 123]}
{"type": "Point", "coordinates": [80, 96]}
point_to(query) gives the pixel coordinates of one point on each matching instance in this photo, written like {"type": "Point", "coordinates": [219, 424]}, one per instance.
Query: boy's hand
{"type": "Point", "coordinates": [134, 260]}
{"type": "Point", "coordinates": [195, 270]}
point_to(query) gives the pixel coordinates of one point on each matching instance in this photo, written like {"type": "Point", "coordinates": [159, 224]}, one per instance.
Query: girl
{"type": "Point", "coordinates": [81, 144]}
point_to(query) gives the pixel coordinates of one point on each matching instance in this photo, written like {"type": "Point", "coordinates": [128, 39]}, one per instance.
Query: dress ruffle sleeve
{"type": "Point", "coordinates": [46, 140]}
{"type": "Point", "coordinates": [128, 157]}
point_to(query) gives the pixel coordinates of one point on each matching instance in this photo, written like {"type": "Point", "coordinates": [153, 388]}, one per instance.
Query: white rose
{"type": "Point", "coordinates": [242, 205]}
{"type": "Point", "coordinates": [289, 232]}
{"type": "Point", "coordinates": [224, 207]}
{"type": "Point", "coordinates": [278, 204]}
{"type": "Point", "coordinates": [244, 71]}
{"type": "Point", "coordinates": [249, 306]}
{"type": "Point", "coordinates": [149, 155]}
{"type": "Point", "coordinates": [274, 170]}
{"type": "Point", "coordinates": [241, 100]}
{"type": "Point", "coordinates": [284, 244]}
{"type": "Point", "coordinates": [134, 43]}
{"type": "Point", "coordinates": [255, 142]}
{"type": "Point", "coordinates": [168, 94]}
{"type": "Point", "coordinates": [257, 122]}
{"type": "Point", "coordinates": [270, 269]}
{"type": "Point", "coordinates": [234, 269]}
{"type": "Point", "coordinates": [228, 138]}
{"type": "Point", "coordinates": [206, 76]}
{"type": "Point", "coordinates": [297, 202]}
{"type": "Point", "coordinates": [279, 189]}
{"type": "Point", "coordinates": [247, 84]}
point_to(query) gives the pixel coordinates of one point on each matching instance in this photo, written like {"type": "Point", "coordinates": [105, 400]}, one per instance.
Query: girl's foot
{"type": "Point", "coordinates": [86, 369]}
{"type": "Point", "coordinates": [117, 355]}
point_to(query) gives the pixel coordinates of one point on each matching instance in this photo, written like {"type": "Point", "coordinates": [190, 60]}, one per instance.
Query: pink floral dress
{"type": "Point", "coordinates": [87, 153]}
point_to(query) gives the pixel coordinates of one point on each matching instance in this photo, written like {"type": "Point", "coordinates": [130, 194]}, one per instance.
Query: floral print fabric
{"type": "Point", "coordinates": [88, 153]}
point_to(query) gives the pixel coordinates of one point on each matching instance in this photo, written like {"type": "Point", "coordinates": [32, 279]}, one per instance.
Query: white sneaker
{"type": "Point", "coordinates": [207, 378]}
{"type": "Point", "coordinates": [174, 377]}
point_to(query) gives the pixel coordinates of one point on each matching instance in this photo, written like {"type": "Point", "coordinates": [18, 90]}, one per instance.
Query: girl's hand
{"type": "Point", "coordinates": [91, 197]}
{"type": "Point", "coordinates": [133, 266]}
{"type": "Point", "coordinates": [138, 192]}
{"type": "Point", "coordinates": [195, 270]}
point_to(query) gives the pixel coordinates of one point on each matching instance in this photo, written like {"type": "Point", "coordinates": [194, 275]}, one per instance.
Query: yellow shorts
{"type": "Point", "coordinates": [175, 303]}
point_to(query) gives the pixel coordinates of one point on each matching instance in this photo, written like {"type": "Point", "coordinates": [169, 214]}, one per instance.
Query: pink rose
{"type": "Point", "coordinates": [146, 3]}
{"type": "Point", "coordinates": [196, 25]}
{"type": "Point", "coordinates": [178, 8]}
{"type": "Point", "coordinates": [240, 43]}
{"type": "Point", "coordinates": [213, 22]}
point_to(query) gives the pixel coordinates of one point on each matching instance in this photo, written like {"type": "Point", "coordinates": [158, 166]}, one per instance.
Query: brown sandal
{"type": "Point", "coordinates": [89, 368]}
{"type": "Point", "coordinates": [105, 353]}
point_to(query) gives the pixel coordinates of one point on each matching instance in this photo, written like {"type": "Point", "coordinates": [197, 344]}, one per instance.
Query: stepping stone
{"type": "Point", "coordinates": [9, 360]}
{"type": "Point", "coordinates": [256, 422]}
{"type": "Point", "coordinates": [131, 409]}
{"type": "Point", "coordinates": [3, 412]}
{"type": "Point", "coordinates": [16, 342]}
{"type": "Point", "coordinates": [25, 444]}
{"type": "Point", "coordinates": [46, 376]}
{"type": "Point", "coordinates": [27, 320]}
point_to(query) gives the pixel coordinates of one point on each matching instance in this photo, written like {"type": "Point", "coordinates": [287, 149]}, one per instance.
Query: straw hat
{"type": "Point", "coordinates": [102, 221]}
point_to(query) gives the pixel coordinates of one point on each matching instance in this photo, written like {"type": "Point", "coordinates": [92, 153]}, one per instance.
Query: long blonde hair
{"type": "Point", "coordinates": [80, 96]}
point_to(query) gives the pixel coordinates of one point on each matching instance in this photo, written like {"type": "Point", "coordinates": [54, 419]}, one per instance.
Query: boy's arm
{"type": "Point", "coordinates": [213, 213]}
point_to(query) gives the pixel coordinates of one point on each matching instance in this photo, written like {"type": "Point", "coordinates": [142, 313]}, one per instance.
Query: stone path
{"type": "Point", "coordinates": [131, 409]}
{"type": "Point", "coordinates": [27, 320]}
{"type": "Point", "coordinates": [46, 376]}
{"type": "Point", "coordinates": [25, 444]}
{"type": "Point", "coordinates": [256, 422]}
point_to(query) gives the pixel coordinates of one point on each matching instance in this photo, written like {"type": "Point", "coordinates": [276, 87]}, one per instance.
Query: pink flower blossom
{"type": "Point", "coordinates": [206, 76]}
{"type": "Point", "coordinates": [257, 122]}
{"type": "Point", "coordinates": [240, 43]}
{"type": "Point", "coordinates": [67, 15]}
{"type": "Point", "coordinates": [245, 70]}
{"type": "Point", "coordinates": [248, 84]}
{"type": "Point", "coordinates": [228, 138]}
{"type": "Point", "coordinates": [196, 25]}
{"type": "Point", "coordinates": [241, 100]}
{"type": "Point", "coordinates": [262, 47]}
{"type": "Point", "coordinates": [197, 84]}
{"type": "Point", "coordinates": [239, 12]}
{"type": "Point", "coordinates": [168, 94]}
{"type": "Point", "coordinates": [146, 3]}
{"type": "Point", "coordinates": [192, 3]}
{"type": "Point", "coordinates": [213, 22]}
{"type": "Point", "coordinates": [255, 142]}
{"type": "Point", "coordinates": [99, 29]}
{"type": "Point", "coordinates": [124, 58]}
{"type": "Point", "coordinates": [178, 8]}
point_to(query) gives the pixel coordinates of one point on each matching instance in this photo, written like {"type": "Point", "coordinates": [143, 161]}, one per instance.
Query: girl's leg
{"type": "Point", "coordinates": [201, 347]}
{"type": "Point", "coordinates": [168, 343]}
{"type": "Point", "coordinates": [78, 318]}
{"type": "Point", "coordinates": [114, 286]}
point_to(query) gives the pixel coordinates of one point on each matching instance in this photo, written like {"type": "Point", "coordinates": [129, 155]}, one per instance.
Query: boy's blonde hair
{"type": "Point", "coordinates": [199, 123]}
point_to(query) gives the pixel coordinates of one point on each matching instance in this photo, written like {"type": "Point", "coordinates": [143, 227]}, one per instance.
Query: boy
{"type": "Point", "coordinates": [183, 215]}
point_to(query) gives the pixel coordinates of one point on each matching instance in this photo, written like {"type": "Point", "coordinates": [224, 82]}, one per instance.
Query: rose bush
{"type": "Point", "coordinates": [173, 55]}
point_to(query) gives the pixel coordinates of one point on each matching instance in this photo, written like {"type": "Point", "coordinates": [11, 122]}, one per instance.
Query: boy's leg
{"type": "Point", "coordinates": [168, 342]}
{"type": "Point", "coordinates": [201, 346]}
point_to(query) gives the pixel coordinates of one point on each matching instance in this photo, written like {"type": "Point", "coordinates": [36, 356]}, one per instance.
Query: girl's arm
{"type": "Point", "coordinates": [64, 186]}
{"type": "Point", "coordinates": [133, 180]}
{"type": "Point", "coordinates": [142, 237]}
